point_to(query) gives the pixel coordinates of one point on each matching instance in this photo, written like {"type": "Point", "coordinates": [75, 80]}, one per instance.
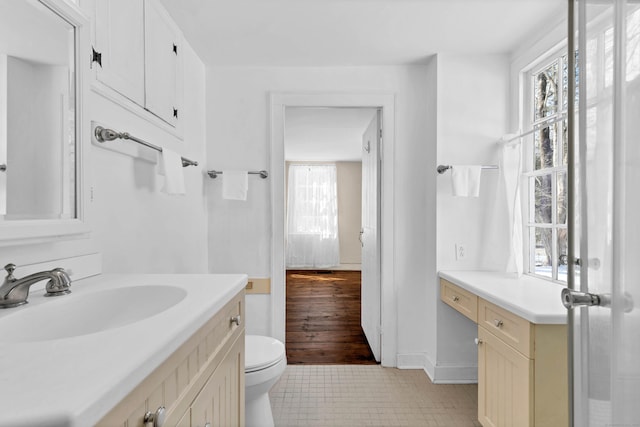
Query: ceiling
{"type": "Point", "coordinates": [325, 33]}
{"type": "Point", "coordinates": [325, 134]}
{"type": "Point", "coordinates": [355, 32]}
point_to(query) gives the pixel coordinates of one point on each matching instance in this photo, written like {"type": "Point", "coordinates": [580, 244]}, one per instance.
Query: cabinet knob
{"type": "Point", "coordinates": [478, 341]}
{"type": "Point", "coordinates": [155, 419]}
{"type": "Point", "coordinates": [236, 319]}
{"type": "Point", "coordinates": [456, 298]}
{"type": "Point", "coordinates": [498, 323]}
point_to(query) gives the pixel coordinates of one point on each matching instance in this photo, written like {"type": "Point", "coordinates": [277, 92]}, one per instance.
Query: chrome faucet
{"type": "Point", "coordinates": [14, 292]}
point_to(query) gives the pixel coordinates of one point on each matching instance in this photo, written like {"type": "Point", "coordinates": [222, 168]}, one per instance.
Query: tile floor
{"type": "Point", "coordinates": [369, 395]}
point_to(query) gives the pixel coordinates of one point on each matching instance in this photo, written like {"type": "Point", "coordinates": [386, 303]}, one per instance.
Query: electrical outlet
{"type": "Point", "coordinates": [461, 251]}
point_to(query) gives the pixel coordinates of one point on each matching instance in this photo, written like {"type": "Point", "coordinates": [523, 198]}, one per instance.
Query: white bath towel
{"type": "Point", "coordinates": [465, 180]}
{"type": "Point", "coordinates": [173, 173]}
{"type": "Point", "coordinates": [235, 185]}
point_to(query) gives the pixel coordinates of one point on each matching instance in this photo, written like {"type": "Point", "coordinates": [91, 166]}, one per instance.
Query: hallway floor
{"type": "Point", "coordinates": [323, 319]}
{"type": "Point", "coordinates": [369, 395]}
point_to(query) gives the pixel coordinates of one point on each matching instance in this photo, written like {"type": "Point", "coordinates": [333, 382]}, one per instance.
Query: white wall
{"type": "Point", "coordinates": [473, 99]}
{"type": "Point", "coordinates": [135, 226]}
{"type": "Point", "coordinates": [349, 178]}
{"type": "Point", "coordinates": [138, 228]}
{"type": "Point", "coordinates": [238, 122]}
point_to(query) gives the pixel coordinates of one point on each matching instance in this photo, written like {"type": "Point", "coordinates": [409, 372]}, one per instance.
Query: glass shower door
{"type": "Point", "coordinates": [606, 328]}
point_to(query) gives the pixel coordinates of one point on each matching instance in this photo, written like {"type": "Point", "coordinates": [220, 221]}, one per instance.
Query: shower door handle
{"type": "Point", "coordinates": [572, 299]}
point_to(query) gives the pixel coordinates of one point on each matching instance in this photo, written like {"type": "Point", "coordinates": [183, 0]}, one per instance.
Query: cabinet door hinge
{"type": "Point", "coordinates": [175, 49]}
{"type": "Point", "coordinates": [96, 57]}
{"type": "Point", "coordinates": [175, 113]}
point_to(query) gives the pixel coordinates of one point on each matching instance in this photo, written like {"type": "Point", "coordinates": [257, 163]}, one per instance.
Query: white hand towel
{"type": "Point", "coordinates": [235, 185]}
{"type": "Point", "coordinates": [173, 172]}
{"type": "Point", "coordinates": [465, 180]}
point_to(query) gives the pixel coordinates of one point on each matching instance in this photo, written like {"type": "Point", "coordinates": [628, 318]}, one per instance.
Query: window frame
{"type": "Point", "coordinates": [530, 124]}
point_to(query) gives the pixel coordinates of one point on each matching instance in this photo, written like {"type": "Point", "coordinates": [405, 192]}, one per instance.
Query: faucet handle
{"type": "Point", "coordinates": [10, 268]}
{"type": "Point", "coordinates": [59, 283]}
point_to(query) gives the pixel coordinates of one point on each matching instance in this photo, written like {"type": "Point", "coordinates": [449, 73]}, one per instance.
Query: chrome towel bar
{"type": "Point", "coordinates": [263, 174]}
{"type": "Point", "coordinates": [103, 134]}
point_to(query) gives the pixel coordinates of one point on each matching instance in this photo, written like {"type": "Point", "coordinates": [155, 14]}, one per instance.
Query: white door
{"type": "Point", "coordinates": [120, 41]}
{"type": "Point", "coordinates": [606, 342]}
{"type": "Point", "coordinates": [162, 48]}
{"type": "Point", "coordinates": [370, 236]}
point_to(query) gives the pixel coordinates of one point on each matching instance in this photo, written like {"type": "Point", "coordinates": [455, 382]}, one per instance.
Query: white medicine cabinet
{"type": "Point", "coordinates": [137, 59]}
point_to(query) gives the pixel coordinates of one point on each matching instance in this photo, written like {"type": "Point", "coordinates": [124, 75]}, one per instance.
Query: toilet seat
{"type": "Point", "coordinates": [262, 353]}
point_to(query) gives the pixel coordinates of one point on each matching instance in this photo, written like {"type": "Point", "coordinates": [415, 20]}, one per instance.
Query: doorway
{"type": "Point", "coordinates": [332, 246]}
{"type": "Point", "coordinates": [386, 309]}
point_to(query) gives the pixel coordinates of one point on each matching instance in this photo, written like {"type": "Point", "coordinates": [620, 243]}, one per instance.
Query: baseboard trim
{"type": "Point", "coordinates": [410, 361]}
{"type": "Point", "coordinates": [439, 373]}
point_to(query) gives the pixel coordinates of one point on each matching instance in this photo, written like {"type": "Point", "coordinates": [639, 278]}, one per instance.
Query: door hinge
{"type": "Point", "coordinates": [96, 57]}
{"type": "Point", "coordinates": [175, 113]}
{"type": "Point", "coordinates": [175, 49]}
{"type": "Point", "coordinates": [380, 133]}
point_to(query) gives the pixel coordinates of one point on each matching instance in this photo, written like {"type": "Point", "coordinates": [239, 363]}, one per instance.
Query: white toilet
{"type": "Point", "coordinates": [264, 362]}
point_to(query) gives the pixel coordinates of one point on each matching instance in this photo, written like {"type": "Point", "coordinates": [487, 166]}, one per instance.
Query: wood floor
{"type": "Point", "coordinates": [323, 319]}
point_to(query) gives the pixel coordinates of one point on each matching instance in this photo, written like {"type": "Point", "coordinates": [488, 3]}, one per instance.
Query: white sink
{"type": "Point", "coordinates": [88, 313]}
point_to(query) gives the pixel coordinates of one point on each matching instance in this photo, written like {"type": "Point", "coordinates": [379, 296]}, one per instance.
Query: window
{"type": "Point", "coordinates": [546, 169]}
{"type": "Point", "coordinates": [312, 217]}
{"type": "Point", "coordinates": [545, 108]}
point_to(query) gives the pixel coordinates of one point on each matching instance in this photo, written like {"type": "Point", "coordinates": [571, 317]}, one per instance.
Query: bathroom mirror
{"type": "Point", "coordinates": [40, 118]}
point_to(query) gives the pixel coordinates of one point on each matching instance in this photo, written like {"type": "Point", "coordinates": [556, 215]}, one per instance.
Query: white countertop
{"type": "Point", "coordinates": [76, 381]}
{"type": "Point", "coordinates": [534, 299]}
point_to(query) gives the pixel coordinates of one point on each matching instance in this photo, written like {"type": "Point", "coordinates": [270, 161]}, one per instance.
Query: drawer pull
{"type": "Point", "coordinates": [498, 323]}
{"type": "Point", "coordinates": [235, 319]}
{"type": "Point", "coordinates": [456, 298]}
{"type": "Point", "coordinates": [155, 419]}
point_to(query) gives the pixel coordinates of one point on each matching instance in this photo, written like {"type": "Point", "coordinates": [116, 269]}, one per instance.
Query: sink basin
{"type": "Point", "coordinates": [83, 314]}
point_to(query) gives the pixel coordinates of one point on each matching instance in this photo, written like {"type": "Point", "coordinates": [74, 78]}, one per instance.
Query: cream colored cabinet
{"type": "Point", "coordinates": [137, 54]}
{"type": "Point", "coordinates": [459, 299]}
{"type": "Point", "coordinates": [505, 384]}
{"type": "Point", "coordinates": [202, 381]}
{"type": "Point", "coordinates": [522, 366]}
{"type": "Point", "coordinates": [218, 404]}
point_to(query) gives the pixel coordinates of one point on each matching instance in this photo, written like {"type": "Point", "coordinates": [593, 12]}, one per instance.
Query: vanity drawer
{"type": "Point", "coordinates": [461, 300]}
{"type": "Point", "coordinates": [512, 329]}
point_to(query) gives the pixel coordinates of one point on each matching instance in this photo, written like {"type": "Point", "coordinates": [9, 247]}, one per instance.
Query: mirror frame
{"type": "Point", "coordinates": [36, 231]}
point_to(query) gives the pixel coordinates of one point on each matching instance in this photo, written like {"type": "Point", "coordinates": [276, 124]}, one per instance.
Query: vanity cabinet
{"type": "Point", "coordinates": [138, 48]}
{"type": "Point", "coordinates": [201, 382]}
{"type": "Point", "coordinates": [459, 299]}
{"type": "Point", "coordinates": [522, 366]}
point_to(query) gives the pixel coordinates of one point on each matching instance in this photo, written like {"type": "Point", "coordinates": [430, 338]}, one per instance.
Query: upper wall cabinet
{"type": "Point", "coordinates": [161, 63]}
{"type": "Point", "coordinates": [120, 47]}
{"type": "Point", "coordinates": [137, 59]}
